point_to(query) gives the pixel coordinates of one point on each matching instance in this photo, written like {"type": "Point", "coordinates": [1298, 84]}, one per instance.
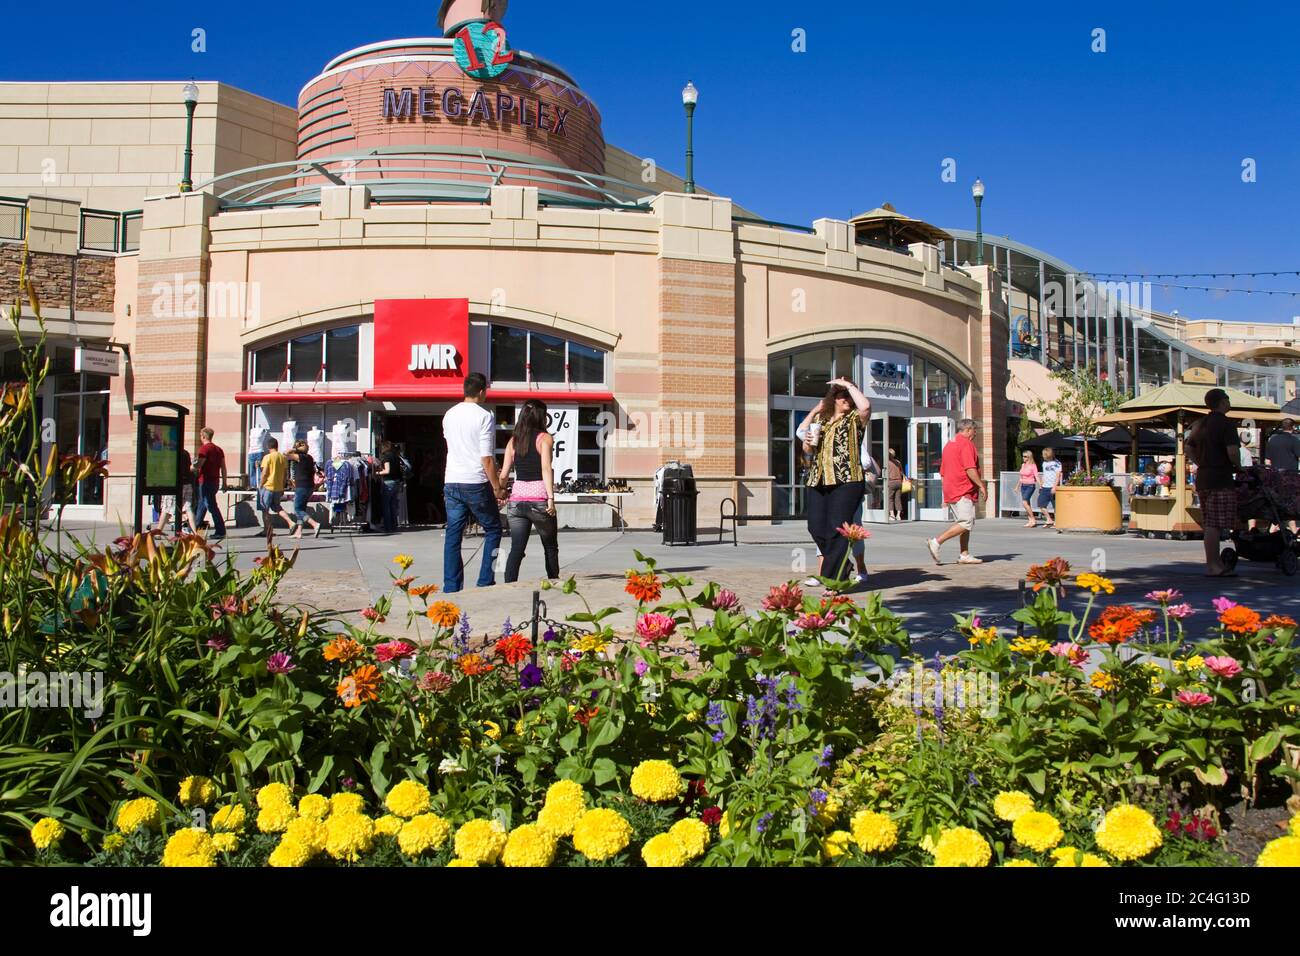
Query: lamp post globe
{"type": "Point", "coordinates": [191, 95]}
{"type": "Point", "coordinates": [690, 96]}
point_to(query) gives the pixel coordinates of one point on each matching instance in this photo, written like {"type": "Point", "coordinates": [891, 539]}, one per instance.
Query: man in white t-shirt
{"type": "Point", "coordinates": [471, 483]}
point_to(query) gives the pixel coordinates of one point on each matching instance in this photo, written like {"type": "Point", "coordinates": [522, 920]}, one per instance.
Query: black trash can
{"type": "Point", "coordinates": [679, 495]}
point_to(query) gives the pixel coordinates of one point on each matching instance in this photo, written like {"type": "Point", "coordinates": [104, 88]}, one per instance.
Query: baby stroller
{"type": "Point", "coordinates": [1270, 498]}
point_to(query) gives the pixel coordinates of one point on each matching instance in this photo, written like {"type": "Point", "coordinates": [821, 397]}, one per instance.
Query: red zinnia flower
{"type": "Point", "coordinates": [394, 651]}
{"type": "Point", "coordinates": [514, 648]}
{"type": "Point", "coordinates": [646, 588]}
{"type": "Point", "coordinates": [584, 715]}
{"type": "Point", "coordinates": [711, 817]}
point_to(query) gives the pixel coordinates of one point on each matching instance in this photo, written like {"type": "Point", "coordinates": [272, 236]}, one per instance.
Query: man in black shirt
{"type": "Point", "coordinates": [1283, 449]}
{"type": "Point", "coordinates": [1216, 449]}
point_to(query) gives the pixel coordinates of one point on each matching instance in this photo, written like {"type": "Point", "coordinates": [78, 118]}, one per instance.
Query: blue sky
{"type": "Point", "coordinates": [1127, 160]}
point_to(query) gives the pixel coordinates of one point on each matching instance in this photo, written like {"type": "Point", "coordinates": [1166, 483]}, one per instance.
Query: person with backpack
{"type": "Point", "coordinates": [391, 474]}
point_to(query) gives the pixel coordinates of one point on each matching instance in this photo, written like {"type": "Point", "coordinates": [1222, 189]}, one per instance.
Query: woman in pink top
{"type": "Point", "coordinates": [532, 496]}
{"type": "Point", "coordinates": [1028, 484]}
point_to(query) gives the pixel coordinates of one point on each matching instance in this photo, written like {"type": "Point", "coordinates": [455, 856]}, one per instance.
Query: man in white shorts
{"type": "Point", "coordinates": [963, 490]}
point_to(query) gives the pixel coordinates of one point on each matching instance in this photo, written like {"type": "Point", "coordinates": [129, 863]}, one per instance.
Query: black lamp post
{"type": "Point", "coordinates": [977, 190]}
{"type": "Point", "coordinates": [191, 101]}
{"type": "Point", "coordinates": [690, 96]}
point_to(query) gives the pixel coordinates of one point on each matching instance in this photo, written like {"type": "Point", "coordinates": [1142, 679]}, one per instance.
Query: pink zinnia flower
{"type": "Point", "coordinates": [813, 622]}
{"type": "Point", "coordinates": [1194, 698]}
{"type": "Point", "coordinates": [218, 642]}
{"type": "Point", "coordinates": [1225, 667]}
{"type": "Point", "coordinates": [1222, 604]}
{"type": "Point", "coordinates": [394, 651]}
{"type": "Point", "coordinates": [654, 627]}
{"type": "Point", "coordinates": [1076, 654]}
{"type": "Point", "coordinates": [783, 597]}
{"type": "Point", "coordinates": [725, 600]}
{"type": "Point", "coordinates": [1181, 611]}
{"type": "Point", "coordinates": [280, 663]}
{"type": "Point", "coordinates": [370, 614]}
{"type": "Point", "coordinates": [435, 682]}
{"type": "Point", "coordinates": [854, 532]}
{"type": "Point", "coordinates": [1164, 597]}
{"type": "Point", "coordinates": [230, 605]}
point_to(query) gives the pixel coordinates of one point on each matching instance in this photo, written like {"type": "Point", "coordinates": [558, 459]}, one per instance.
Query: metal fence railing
{"type": "Point", "coordinates": [1008, 485]}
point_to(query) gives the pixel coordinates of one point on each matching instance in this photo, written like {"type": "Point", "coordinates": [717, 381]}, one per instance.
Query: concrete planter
{"type": "Point", "coordinates": [1089, 508]}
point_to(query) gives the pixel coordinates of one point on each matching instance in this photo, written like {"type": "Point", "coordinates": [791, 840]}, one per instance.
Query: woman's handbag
{"type": "Point", "coordinates": [906, 487]}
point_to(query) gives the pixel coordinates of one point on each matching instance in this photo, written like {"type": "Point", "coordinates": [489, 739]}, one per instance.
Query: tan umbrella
{"type": "Point", "coordinates": [1168, 400]}
{"type": "Point", "coordinates": [886, 224]}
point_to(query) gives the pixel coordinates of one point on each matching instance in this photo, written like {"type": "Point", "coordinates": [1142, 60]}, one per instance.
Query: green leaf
{"type": "Point", "coordinates": [258, 753]}
{"type": "Point", "coordinates": [527, 768]}
{"type": "Point", "coordinates": [1264, 746]}
{"type": "Point", "coordinates": [1038, 780]}
{"type": "Point", "coordinates": [605, 771]}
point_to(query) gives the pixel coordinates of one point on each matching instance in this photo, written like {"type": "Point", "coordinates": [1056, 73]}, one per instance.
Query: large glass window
{"type": "Point", "coordinates": [269, 364]}
{"type": "Point", "coordinates": [301, 359]}
{"type": "Point", "coordinates": [778, 376]}
{"type": "Point", "coordinates": [80, 421]}
{"type": "Point", "coordinates": [518, 355]}
{"type": "Point", "coordinates": [812, 370]}
{"type": "Point", "coordinates": [342, 354]}
{"type": "Point", "coordinates": [306, 356]}
{"type": "Point", "coordinates": [586, 365]}
{"type": "Point", "coordinates": [546, 357]}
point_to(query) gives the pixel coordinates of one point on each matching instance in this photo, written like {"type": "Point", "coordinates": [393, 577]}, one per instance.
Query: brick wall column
{"type": "Point", "coordinates": [989, 393]}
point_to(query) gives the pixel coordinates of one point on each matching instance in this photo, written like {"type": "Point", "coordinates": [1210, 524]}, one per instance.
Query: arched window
{"type": "Point", "coordinates": [329, 355]}
{"type": "Point", "coordinates": [520, 355]}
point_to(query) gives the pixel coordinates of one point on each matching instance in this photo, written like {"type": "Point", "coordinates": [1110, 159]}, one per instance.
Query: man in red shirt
{"type": "Point", "coordinates": [963, 490]}
{"type": "Point", "coordinates": [210, 476]}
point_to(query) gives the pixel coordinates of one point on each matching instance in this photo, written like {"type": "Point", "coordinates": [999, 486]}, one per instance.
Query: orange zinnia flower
{"type": "Point", "coordinates": [472, 665]}
{"type": "Point", "coordinates": [403, 583]}
{"type": "Point", "coordinates": [1278, 621]}
{"type": "Point", "coordinates": [1240, 620]}
{"type": "Point", "coordinates": [443, 613]}
{"type": "Point", "coordinates": [1049, 575]}
{"type": "Point", "coordinates": [584, 715]}
{"type": "Point", "coordinates": [514, 648]}
{"type": "Point", "coordinates": [423, 589]}
{"type": "Point", "coordinates": [360, 687]}
{"type": "Point", "coordinates": [646, 588]}
{"type": "Point", "coordinates": [1115, 631]}
{"type": "Point", "coordinates": [343, 649]}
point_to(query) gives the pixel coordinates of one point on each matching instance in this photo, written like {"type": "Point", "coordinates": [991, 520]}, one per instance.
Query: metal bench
{"type": "Point", "coordinates": [734, 518]}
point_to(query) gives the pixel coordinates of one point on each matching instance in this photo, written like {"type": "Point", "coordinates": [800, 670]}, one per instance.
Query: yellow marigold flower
{"type": "Point", "coordinates": [135, 814]}
{"type": "Point", "coordinates": [481, 841]}
{"type": "Point", "coordinates": [692, 834]}
{"type": "Point", "coordinates": [724, 825]}
{"type": "Point", "coordinates": [1095, 583]}
{"type": "Point", "coordinates": [565, 790]}
{"type": "Point", "coordinates": [230, 818]}
{"type": "Point", "coordinates": [1128, 833]}
{"type": "Point", "coordinates": [225, 842]}
{"type": "Point", "coordinates": [389, 825]}
{"type": "Point", "coordinates": [663, 849]}
{"type": "Point", "coordinates": [1071, 856]}
{"type": "Point", "coordinates": [657, 781]}
{"type": "Point", "coordinates": [873, 832]}
{"type": "Point", "coordinates": [1193, 663]}
{"type": "Point", "coordinates": [308, 831]}
{"type": "Point", "coordinates": [348, 836]}
{"type": "Point", "coordinates": [46, 832]}
{"type": "Point", "coordinates": [403, 561]}
{"type": "Point", "coordinates": [190, 847]}
{"type": "Point", "coordinates": [595, 643]}
{"type": "Point", "coordinates": [347, 803]}
{"type": "Point", "coordinates": [1030, 646]}
{"type": "Point", "coordinates": [559, 817]}
{"type": "Point", "coordinates": [601, 834]}
{"type": "Point", "coordinates": [836, 844]}
{"type": "Point", "coordinates": [1284, 851]}
{"type": "Point", "coordinates": [828, 812]}
{"type": "Point", "coordinates": [423, 833]}
{"type": "Point", "coordinates": [529, 845]}
{"type": "Point", "coordinates": [1293, 828]}
{"type": "Point", "coordinates": [460, 862]}
{"type": "Point", "coordinates": [927, 844]}
{"type": "Point", "coordinates": [408, 799]}
{"type": "Point", "coordinates": [114, 842]}
{"type": "Point", "coordinates": [289, 853]}
{"type": "Point", "coordinates": [492, 729]}
{"type": "Point", "coordinates": [1037, 830]}
{"type": "Point", "coordinates": [276, 819]}
{"type": "Point", "coordinates": [197, 792]}
{"type": "Point", "coordinates": [314, 805]}
{"type": "Point", "coordinates": [962, 846]}
{"type": "Point", "coordinates": [274, 796]}
{"type": "Point", "coordinates": [1019, 863]}
{"type": "Point", "coordinates": [1103, 682]}
{"type": "Point", "coordinates": [1012, 804]}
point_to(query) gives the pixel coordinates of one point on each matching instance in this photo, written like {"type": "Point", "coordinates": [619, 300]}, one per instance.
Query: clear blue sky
{"type": "Point", "coordinates": [1127, 160]}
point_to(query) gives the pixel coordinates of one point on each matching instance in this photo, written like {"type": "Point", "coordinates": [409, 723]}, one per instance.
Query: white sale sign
{"type": "Point", "coordinates": [562, 423]}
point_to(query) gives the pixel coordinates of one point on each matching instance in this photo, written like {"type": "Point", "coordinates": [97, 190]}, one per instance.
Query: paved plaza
{"type": "Point", "coordinates": [348, 572]}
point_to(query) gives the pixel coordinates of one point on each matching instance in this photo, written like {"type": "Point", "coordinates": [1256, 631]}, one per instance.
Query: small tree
{"type": "Point", "coordinates": [1085, 396]}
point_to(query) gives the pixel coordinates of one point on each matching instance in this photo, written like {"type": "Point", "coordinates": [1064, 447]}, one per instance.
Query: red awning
{"type": "Point", "coordinates": [452, 392]}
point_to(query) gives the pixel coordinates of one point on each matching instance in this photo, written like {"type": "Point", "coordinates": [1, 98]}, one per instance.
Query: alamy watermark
{"type": "Point", "coordinates": [681, 431]}
{"type": "Point", "coordinates": [59, 690]}
{"type": "Point", "coordinates": [922, 688]}
{"type": "Point", "coordinates": [189, 299]}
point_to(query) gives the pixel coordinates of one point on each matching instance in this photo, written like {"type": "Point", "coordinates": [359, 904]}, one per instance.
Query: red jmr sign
{"type": "Point", "coordinates": [421, 347]}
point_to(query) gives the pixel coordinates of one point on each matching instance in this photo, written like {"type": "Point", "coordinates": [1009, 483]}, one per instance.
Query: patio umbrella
{"type": "Point", "coordinates": [1118, 441]}
{"type": "Point", "coordinates": [887, 225]}
{"type": "Point", "coordinates": [1053, 440]}
{"type": "Point", "coordinates": [1292, 408]}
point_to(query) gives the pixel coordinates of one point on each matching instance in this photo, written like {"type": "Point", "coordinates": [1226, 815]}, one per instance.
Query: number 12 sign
{"type": "Point", "coordinates": [481, 49]}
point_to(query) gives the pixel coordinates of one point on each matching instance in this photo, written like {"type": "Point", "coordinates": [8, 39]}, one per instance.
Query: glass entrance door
{"type": "Point", "coordinates": [929, 435]}
{"type": "Point", "coordinates": [875, 507]}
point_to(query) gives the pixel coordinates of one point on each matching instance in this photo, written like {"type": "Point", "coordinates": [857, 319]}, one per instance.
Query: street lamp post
{"type": "Point", "coordinates": [977, 190]}
{"type": "Point", "coordinates": [191, 93]}
{"type": "Point", "coordinates": [690, 96]}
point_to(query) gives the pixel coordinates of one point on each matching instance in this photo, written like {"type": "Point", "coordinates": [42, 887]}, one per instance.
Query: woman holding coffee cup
{"type": "Point", "coordinates": [835, 479]}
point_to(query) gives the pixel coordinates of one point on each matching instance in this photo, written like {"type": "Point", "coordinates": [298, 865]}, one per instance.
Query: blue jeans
{"type": "Point", "coordinates": [388, 502]}
{"type": "Point", "coordinates": [300, 498]}
{"type": "Point", "coordinates": [462, 501]}
{"type": "Point", "coordinates": [207, 501]}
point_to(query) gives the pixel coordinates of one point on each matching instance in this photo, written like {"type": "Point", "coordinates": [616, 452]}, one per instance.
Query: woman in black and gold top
{"type": "Point", "coordinates": [835, 481]}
